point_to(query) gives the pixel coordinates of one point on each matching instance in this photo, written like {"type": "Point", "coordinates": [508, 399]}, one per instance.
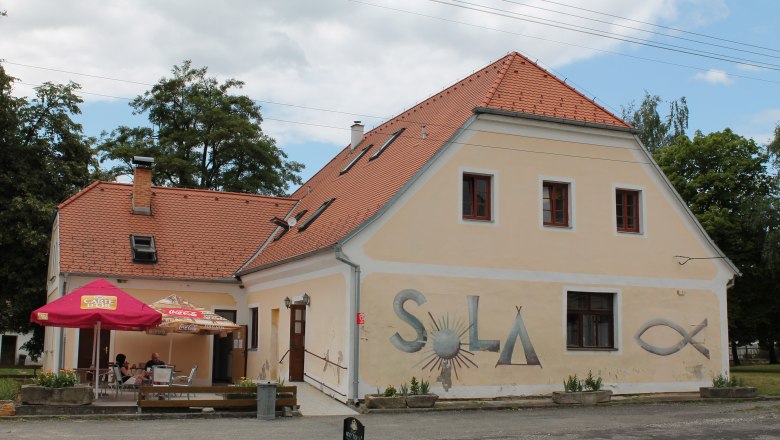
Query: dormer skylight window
{"type": "Point", "coordinates": [387, 143]}
{"type": "Point", "coordinates": [357, 158]}
{"type": "Point", "coordinates": [143, 249]}
{"type": "Point", "coordinates": [316, 214]}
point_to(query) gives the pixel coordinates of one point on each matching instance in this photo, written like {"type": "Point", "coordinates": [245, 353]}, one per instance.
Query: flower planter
{"type": "Point", "coordinates": [727, 392]}
{"type": "Point", "coordinates": [38, 395]}
{"type": "Point", "coordinates": [376, 401]}
{"type": "Point", "coordinates": [7, 408]}
{"type": "Point", "coordinates": [582, 397]}
{"type": "Point", "coordinates": [421, 400]}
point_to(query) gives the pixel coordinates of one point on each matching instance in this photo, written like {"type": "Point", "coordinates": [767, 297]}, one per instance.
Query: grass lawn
{"type": "Point", "coordinates": [764, 377]}
{"type": "Point", "coordinates": [15, 372]}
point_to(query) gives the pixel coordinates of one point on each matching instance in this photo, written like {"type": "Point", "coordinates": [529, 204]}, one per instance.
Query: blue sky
{"type": "Point", "coordinates": [378, 57]}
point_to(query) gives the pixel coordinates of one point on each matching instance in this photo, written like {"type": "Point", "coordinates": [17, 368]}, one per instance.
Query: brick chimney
{"type": "Point", "coordinates": [142, 185]}
{"type": "Point", "coordinates": [357, 135]}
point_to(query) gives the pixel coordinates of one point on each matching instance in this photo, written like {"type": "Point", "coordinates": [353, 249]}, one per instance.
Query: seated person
{"type": "Point", "coordinates": [155, 360]}
{"type": "Point", "coordinates": [126, 377]}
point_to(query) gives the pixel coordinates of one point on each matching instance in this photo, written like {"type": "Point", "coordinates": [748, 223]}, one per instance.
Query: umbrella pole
{"type": "Point", "coordinates": [170, 348]}
{"type": "Point", "coordinates": [97, 359]}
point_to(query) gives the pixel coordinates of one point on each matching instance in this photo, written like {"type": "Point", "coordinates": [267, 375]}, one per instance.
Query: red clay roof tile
{"type": "Point", "coordinates": [198, 234]}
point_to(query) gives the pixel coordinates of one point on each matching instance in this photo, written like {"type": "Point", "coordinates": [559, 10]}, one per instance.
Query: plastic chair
{"type": "Point", "coordinates": [185, 381]}
{"type": "Point", "coordinates": [122, 386]}
{"type": "Point", "coordinates": [162, 376]}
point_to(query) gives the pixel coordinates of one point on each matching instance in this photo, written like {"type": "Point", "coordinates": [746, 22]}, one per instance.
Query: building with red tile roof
{"type": "Point", "coordinates": [501, 234]}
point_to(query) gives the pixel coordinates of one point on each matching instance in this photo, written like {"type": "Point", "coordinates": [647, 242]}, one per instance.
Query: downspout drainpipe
{"type": "Point", "coordinates": [356, 329]}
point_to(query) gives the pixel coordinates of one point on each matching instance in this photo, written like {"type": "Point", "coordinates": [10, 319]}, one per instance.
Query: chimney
{"type": "Point", "coordinates": [357, 135]}
{"type": "Point", "coordinates": [142, 185]}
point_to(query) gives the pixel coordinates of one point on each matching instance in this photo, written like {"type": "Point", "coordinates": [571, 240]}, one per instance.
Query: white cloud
{"type": "Point", "coordinates": [714, 76]}
{"type": "Point", "coordinates": [751, 68]}
{"type": "Point", "coordinates": [332, 54]}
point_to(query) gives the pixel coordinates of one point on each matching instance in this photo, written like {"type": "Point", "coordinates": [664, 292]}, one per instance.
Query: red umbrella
{"type": "Point", "coordinates": [98, 304]}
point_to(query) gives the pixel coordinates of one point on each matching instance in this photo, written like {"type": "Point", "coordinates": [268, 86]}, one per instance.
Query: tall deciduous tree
{"type": "Point", "coordinates": [205, 137]}
{"type": "Point", "coordinates": [656, 131]}
{"type": "Point", "coordinates": [43, 160]}
{"type": "Point", "coordinates": [726, 182]}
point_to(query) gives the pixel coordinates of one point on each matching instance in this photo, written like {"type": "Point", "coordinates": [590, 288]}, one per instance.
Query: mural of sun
{"type": "Point", "coordinates": [446, 352]}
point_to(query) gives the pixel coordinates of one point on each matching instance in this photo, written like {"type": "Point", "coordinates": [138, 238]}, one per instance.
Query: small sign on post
{"type": "Point", "coordinates": [353, 429]}
{"type": "Point", "coordinates": [360, 318]}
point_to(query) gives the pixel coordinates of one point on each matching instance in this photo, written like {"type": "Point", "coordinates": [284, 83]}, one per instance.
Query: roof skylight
{"type": "Point", "coordinates": [357, 158]}
{"type": "Point", "coordinates": [143, 249]}
{"type": "Point", "coordinates": [387, 143]}
{"type": "Point", "coordinates": [316, 214]}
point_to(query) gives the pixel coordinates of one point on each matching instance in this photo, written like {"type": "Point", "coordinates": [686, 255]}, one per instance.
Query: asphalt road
{"type": "Point", "coordinates": [744, 420]}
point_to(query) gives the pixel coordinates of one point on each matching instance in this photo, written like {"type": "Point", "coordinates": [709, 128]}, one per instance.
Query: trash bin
{"type": "Point", "coordinates": [266, 401]}
{"type": "Point", "coordinates": [22, 359]}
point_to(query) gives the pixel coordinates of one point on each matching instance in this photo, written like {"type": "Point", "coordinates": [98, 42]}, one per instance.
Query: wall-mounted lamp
{"type": "Point", "coordinates": [306, 299]}
{"type": "Point", "coordinates": [287, 302]}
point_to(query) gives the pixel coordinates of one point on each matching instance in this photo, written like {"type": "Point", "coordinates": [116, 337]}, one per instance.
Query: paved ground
{"type": "Point", "coordinates": [692, 420]}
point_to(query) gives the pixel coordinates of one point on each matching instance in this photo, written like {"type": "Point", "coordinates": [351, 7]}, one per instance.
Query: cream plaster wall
{"type": "Point", "coordinates": [325, 330]}
{"type": "Point", "coordinates": [516, 238]}
{"type": "Point", "coordinates": [543, 312]}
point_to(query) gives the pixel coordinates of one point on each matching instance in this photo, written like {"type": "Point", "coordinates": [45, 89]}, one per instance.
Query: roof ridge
{"type": "Point", "coordinates": [171, 188]}
{"type": "Point", "coordinates": [86, 189]}
{"type": "Point", "coordinates": [499, 77]}
{"type": "Point", "coordinates": [565, 84]}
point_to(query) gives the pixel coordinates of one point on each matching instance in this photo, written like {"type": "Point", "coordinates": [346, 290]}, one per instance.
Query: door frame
{"type": "Point", "coordinates": [298, 360]}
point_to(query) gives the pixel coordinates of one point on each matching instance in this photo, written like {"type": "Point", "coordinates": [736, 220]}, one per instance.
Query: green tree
{"type": "Point", "coordinates": [726, 182]}
{"type": "Point", "coordinates": [206, 137]}
{"type": "Point", "coordinates": [656, 131]}
{"type": "Point", "coordinates": [774, 148]}
{"type": "Point", "coordinates": [43, 160]}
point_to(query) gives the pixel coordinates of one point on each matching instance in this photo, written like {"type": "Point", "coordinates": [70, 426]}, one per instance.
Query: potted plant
{"type": "Point", "coordinates": [243, 382]}
{"type": "Point", "coordinates": [724, 387]}
{"type": "Point", "coordinates": [385, 400]}
{"type": "Point", "coordinates": [575, 393]}
{"type": "Point", "coordinates": [420, 395]}
{"type": "Point", "coordinates": [61, 388]}
{"type": "Point", "coordinates": [9, 391]}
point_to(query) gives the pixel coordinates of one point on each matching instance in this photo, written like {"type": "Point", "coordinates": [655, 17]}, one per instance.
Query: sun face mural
{"type": "Point", "coordinates": [446, 351]}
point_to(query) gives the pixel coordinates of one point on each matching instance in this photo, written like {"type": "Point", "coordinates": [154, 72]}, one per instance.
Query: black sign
{"type": "Point", "coordinates": [353, 429]}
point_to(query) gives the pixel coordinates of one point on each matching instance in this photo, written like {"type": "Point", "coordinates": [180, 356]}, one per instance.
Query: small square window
{"type": "Point", "coordinates": [590, 320]}
{"type": "Point", "coordinates": [143, 249]}
{"type": "Point", "coordinates": [555, 204]}
{"type": "Point", "coordinates": [627, 210]}
{"type": "Point", "coordinates": [476, 197]}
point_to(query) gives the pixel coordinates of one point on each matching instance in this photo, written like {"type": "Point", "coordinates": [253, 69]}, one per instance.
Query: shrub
{"type": "Point", "coordinates": [245, 382]}
{"type": "Point", "coordinates": [390, 391]}
{"type": "Point", "coordinates": [722, 381]}
{"type": "Point", "coordinates": [62, 379]}
{"type": "Point", "coordinates": [592, 384]}
{"type": "Point", "coordinates": [9, 389]}
{"type": "Point", "coordinates": [415, 389]}
{"type": "Point", "coordinates": [425, 387]}
{"type": "Point", "coordinates": [404, 389]}
{"type": "Point", "coordinates": [572, 384]}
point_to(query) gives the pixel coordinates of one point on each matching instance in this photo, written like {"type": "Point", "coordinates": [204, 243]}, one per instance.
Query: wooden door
{"type": "Point", "coordinates": [222, 357]}
{"type": "Point", "coordinates": [297, 339]}
{"type": "Point", "coordinates": [239, 353]}
{"type": "Point", "coordinates": [86, 336]}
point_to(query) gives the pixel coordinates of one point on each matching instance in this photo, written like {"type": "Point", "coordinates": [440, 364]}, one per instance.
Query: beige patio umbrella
{"type": "Point", "coordinates": [181, 316]}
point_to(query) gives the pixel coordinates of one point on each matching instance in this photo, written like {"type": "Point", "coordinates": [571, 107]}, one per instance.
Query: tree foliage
{"type": "Point", "coordinates": [726, 182]}
{"type": "Point", "coordinates": [206, 137]}
{"type": "Point", "coordinates": [43, 160]}
{"type": "Point", "coordinates": [656, 131]}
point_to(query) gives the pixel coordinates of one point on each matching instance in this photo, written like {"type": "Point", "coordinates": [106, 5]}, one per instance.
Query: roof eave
{"type": "Point", "coordinates": [224, 280]}
{"type": "Point", "coordinates": [575, 122]}
{"type": "Point", "coordinates": [286, 260]}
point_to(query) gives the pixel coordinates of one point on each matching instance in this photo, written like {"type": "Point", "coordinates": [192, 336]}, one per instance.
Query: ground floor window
{"type": "Point", "coordinates": [254, 329]}
{"type": "Point", "coordinates": [590, 320]}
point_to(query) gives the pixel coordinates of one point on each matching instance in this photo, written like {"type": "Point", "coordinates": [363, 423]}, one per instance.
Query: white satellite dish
{"type": "Point", "coordinates": [291, 221]}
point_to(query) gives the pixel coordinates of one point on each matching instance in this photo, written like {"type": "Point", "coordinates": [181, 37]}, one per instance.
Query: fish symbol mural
{"type": "Point", "coordinates": [687, 338]}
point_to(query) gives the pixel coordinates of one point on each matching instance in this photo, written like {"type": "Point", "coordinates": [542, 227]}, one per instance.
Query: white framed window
{"type": "Point", "coordinates": [478, 196]}
{"type": "Point", "coordinates": [557, 203]}
{"type": "Point", "coordinates": [591, 319]}
{"type": "Point", "coordinates": [628, 210]}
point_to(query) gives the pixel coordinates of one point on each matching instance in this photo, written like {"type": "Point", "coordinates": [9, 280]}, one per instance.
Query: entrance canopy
{"type": "Point", "coordinates": [97, 302]}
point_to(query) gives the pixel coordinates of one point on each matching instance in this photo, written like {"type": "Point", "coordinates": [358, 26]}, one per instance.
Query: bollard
{"type": "Point", "coordinates": [266, 401]}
